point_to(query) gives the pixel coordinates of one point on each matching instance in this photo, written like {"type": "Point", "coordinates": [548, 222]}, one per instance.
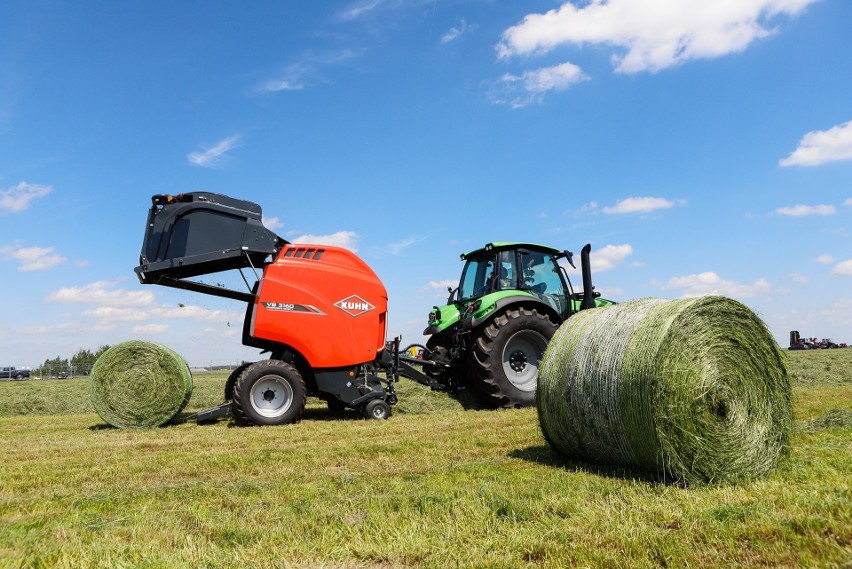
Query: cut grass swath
{"type": "Point", "coordinates": [695, 389]}
{"type": "Point", "coordinates": [138, 384]}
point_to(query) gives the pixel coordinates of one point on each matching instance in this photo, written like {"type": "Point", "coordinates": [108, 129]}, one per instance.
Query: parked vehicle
{"type": "Point", "coordinates": [14, 373]}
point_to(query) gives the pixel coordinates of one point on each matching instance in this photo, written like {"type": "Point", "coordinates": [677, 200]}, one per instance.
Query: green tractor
{"type": "Point", "coordinates": [493, 331]}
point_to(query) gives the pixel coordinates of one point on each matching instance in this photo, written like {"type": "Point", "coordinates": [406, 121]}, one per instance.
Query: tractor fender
{"type": "Point", "coordinates": [524, 300]}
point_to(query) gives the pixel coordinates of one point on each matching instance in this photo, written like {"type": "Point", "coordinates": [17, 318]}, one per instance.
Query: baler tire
{"type": "Point", "coordinates": [232, 380]}
{"type": "Point", "coordinates": [377, 409]}
{"type": "Point", "coordinates": [269, 392]}
{"type": "Point", "coordinates": [506, 355]}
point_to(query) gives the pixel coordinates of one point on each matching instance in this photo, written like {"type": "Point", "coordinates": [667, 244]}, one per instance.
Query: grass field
{"type": "Point", "coordinates": [434, 486]}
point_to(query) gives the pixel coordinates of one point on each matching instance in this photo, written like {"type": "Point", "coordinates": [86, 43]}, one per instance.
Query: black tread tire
{"type": "Point", "coordinates": [232, 380]}
{"type": "Point", "coordinates": [270, 372]}
{"type": "Point", "coordinates": [438, 344]}
{"type": "Point", "coordinates": [486, 359]}
{"type": "Point", "coordinates": [377, 409]}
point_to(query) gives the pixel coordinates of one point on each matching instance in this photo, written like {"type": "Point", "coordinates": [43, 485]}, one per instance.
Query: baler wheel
{"type": "Point", "coordinates": [506, 355]}
{"type": "Point", "coordinates": [377, 409]}
{"type": "Point", "coordinates": [269, 392]}
{"type": "Point", "coordinates": [232, 380]}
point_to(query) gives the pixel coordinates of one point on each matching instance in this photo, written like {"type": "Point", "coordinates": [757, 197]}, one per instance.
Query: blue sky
{"type": "Point", "coordinates": [700, 147]}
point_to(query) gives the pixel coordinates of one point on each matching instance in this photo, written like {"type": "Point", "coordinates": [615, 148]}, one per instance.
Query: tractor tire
{"type": "Point", "coordinates": [506, 356]}
{"type": "Point", "coordinates": [269, 392]}
{"type": "Point", "coordinates": [232, 380]}
{"type": "Point", "coordinates": [439, 345]}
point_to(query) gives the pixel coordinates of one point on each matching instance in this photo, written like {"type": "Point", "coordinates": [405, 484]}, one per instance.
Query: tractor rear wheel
{"type": "Point", "coordinates": [506, 356]}
{"type": "Point", "coordinates": [269, 392]}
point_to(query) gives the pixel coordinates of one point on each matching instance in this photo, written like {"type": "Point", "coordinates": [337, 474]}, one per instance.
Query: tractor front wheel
{"type": "Point", "coordinates": [269, 392]}
{"type": "Point", "coordinates": [507, 354]}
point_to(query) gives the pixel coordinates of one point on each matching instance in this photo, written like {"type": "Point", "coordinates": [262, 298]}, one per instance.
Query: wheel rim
{"type": "Point", "coordinates": [521, 358]}
{"type": "Point", "coordinates": [379, 412]}
{"type": "Point", "coordinates": [271, 396]}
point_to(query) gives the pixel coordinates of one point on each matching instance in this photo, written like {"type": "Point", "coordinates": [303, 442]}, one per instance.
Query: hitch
{"type": "Point", "coordinates": [398, 365]}
{"type": "Point", "coordinates": [213, 414]}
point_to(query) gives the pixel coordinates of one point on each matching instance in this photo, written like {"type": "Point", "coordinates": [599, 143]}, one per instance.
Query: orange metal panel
{"type": "Point", "coordinates": [323, 301]}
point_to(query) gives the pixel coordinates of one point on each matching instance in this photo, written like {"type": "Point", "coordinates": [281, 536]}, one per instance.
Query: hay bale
{"type": "Point", "coordinates": [139, 384]}
{"type": "Point", "coordinates": [694, 389]}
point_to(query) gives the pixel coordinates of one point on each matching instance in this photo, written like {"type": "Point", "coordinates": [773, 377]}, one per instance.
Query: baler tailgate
{"type": "Point", "coordinates": [202, 233]}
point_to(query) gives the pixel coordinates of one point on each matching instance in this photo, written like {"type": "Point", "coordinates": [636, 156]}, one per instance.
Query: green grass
{"type": "Point", "coordinates": [434, 486]}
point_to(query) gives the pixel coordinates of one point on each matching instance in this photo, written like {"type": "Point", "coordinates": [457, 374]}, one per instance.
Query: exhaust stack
{"type": "Point", "coordinates": [586, 268]}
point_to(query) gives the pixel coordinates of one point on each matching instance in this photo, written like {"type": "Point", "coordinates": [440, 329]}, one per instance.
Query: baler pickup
{"type": "Point", "coordinates": [202, 233]}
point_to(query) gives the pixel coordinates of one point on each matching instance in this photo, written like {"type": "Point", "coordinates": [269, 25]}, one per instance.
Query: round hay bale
{"type": "Point", "coordinates": [139, 384]}
{"type": "Point", "coordinates": [695, 389]}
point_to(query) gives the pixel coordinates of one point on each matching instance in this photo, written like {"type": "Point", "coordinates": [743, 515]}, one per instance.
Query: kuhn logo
{"type": "Point", "coordinates": [354, 305]}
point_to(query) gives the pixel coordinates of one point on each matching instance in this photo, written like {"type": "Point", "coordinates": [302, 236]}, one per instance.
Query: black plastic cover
{"type": "Point", "coordinates": [200, 233]}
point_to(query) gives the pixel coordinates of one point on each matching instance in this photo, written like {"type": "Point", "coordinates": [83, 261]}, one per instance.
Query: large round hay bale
{"type": "Point", "coordinates": [139, 384]}
{"type": "Point", "coordinates": [695, 389]}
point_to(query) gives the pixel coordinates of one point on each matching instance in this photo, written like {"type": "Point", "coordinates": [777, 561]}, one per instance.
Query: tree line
{"type": "Point", "coordinates": [80, 363]}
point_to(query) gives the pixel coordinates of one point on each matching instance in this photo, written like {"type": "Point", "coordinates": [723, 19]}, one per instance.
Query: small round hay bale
{"type": "Point", "coordinates": [138, 384]}
{"type": "Point", "coordinates": [694, 389]}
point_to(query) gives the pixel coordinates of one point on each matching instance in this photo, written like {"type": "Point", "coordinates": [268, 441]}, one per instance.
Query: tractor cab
{"type": "Point", "coordinates": [509, 268]}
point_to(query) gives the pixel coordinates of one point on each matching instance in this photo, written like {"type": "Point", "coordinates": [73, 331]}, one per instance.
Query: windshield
{"type": "Point", "coordinates": [488, 274]}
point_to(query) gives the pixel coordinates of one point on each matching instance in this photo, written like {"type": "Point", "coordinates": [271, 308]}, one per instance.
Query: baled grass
{"type": "Point", "coordinates": [693, 389]}
{"type": "Point", "coordinates": [139, 384]}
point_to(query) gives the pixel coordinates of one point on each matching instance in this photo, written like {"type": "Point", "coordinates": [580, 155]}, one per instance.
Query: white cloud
{"type": "Point", "coordinates": [825, 259]}
{"type": "Point", "coordinates": [102, 293]}
{"type": "Point", "coordinates": [804, 210]}
{"type": "Point", "coordinates": [116, 314]}
{"type": "Point", "coordinates": [291, 79]}
{"type": "Point", "coordinates": [455, 32]}
{"type": "Point", "coordinates": [653, 34]}
{"type": "Point", "coordinates": [193, 312]}
{"type": "Point", "coordinates": [359, 9]}
{"type": "Point", "coordinates": [521, 90]}
{"type": "Point", "coordinates": [214, 156]}
{"type": "Point", "coordinates": [308, 71]}
{"type": "Point", "coordinates": [609, 257]}
{"type": "Point", "coordinates": [32, 258]}
{"type": "Point", "coordinates": [64, 327]}
{"type": "Point", "coordinates": [345, 239]}
{"type": "Point", "coordinates": [710, 283]}
{"type": "Point", "coordinates": [821, 146]}
{"type": "Point", "coordinates": [272, 223]}
{"type": "Point", "coordinates": [799, 278]}
{"type": "Point", "coordinates": [639, 205]}
{"type": "Point", "coordinates": [843, 269]}
{"type": "Point", "coordinates": [400, 246]}
{"type": "Point", "coordinates": [18, 198]}
{"type": "Point", "coordinates": [438, 289]}
{"type": "Point", "coordinates": [151, 329]}
{"type": "Point", "coordinates": [848, 202]}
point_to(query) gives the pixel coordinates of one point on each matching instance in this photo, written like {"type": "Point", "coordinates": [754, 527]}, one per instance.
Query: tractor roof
{"type": "Point", "coordinates": [508, 245]}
